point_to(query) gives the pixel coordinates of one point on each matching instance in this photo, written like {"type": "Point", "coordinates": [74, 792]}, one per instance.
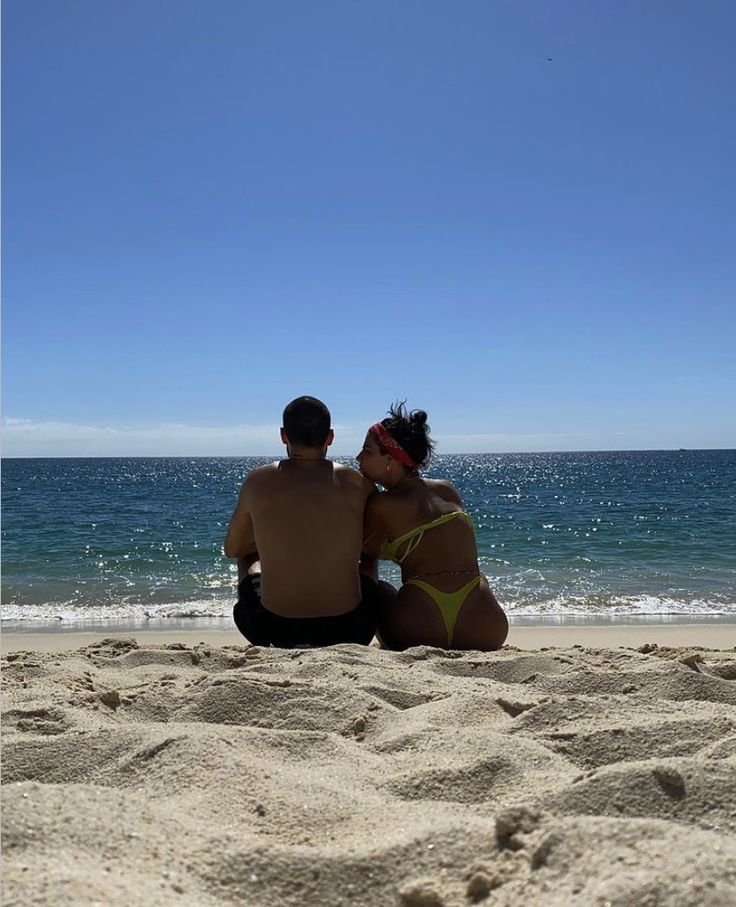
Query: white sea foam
{"type": "Point", "coordinates": [582, 607]}
{"type": "Point", "coordinates": [621, 606]}
{"type": "Point", "coordinates": [52, 613]}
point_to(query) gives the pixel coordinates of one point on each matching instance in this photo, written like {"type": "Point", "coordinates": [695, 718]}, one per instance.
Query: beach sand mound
{"type": "Point", "coordinates": [138, 774]}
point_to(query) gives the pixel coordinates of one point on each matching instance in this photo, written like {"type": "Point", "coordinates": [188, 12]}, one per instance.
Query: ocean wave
{"type": "Point", "coordinates": [584, 607]}
{"type": "Point", "coordinates": [62, 612]}
{"type": "Point", "coordinates": [621, 606]}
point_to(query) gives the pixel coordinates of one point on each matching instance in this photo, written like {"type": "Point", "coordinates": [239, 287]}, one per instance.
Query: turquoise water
{"type": "Point", "coordinates": [579, 535]}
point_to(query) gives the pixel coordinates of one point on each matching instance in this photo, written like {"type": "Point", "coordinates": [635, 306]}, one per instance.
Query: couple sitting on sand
{"type": "Point", "coordinates": [308, 532]}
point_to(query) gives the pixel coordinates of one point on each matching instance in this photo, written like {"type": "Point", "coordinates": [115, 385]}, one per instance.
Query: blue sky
{"type": "Point", "coordinates": [210, 208]}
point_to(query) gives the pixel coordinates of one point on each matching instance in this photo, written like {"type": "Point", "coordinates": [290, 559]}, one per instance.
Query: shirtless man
{"type": "Point", "coordinates": [297, 532]}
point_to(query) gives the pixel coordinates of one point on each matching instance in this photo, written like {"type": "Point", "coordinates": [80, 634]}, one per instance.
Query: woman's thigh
{"type": "Point", "coordinates": [481, 623]}
{"type": "Point", "coordinates": [409, 618]}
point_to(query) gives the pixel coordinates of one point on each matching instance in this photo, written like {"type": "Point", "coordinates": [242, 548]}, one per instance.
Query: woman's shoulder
{"type": "Point", "coordinates": [390, 512]}
{"type": "Point", "coordinates": [445, 490]}
{"type": "Point", "coordinates": [390, 507]}
{"type": "Point", "coordinates": [381, 503]}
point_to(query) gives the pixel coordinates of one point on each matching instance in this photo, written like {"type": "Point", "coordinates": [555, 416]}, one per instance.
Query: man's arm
{"type": "Point", "coordinates": [240, 540]}
{"type": "Point", "coordinates": [368, 565]}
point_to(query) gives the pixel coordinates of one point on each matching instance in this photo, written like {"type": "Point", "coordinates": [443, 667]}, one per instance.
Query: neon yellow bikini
{"type": "Point", "coordinates": [449, 603]}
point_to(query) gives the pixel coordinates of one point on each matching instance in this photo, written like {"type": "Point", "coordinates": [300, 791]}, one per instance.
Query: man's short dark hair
{"type": "Point", "coordinates": [306, 422]}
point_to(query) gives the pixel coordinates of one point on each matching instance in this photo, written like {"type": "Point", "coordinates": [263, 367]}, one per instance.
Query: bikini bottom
{"type": "Point", "coordinates": [449, 603]}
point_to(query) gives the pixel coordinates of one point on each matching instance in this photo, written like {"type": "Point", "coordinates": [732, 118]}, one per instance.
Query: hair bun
{"type": "Point", "coordinates": [410, 429]}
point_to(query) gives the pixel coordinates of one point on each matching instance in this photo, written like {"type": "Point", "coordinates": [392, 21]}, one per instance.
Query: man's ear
{"type": "Point", "coordinates": [330, 438]}
{"type": "Point", "coordinates": [284, 439]}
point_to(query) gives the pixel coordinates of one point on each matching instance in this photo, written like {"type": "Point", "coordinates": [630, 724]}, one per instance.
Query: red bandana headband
{"type": "Point", "coordinates": [393, 448]}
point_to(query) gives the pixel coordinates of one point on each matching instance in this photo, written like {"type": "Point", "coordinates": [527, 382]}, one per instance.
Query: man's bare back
{"type": "Point", "coordinates": [297, 532]}
{"type": "Point", "coordinates": [304, 518]}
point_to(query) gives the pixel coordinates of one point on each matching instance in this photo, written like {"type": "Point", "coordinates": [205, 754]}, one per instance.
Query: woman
{"type": "Point", "coordinates": [420, 524]}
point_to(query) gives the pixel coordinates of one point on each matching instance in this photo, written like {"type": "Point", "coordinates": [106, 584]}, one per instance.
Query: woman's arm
{"type": "Point", "coordinates": [374, 532]}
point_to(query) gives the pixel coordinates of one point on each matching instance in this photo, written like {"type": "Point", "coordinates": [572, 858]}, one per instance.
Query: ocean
{"type": "Point", "coordinates": [568, 537]}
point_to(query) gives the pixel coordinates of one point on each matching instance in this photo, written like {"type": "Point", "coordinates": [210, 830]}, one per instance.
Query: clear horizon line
{"type": "Point", "coordinates": [274, 456]}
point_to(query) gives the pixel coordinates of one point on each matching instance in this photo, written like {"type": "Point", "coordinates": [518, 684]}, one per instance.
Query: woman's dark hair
{"type": "Point", "coordinates": [410, 429]}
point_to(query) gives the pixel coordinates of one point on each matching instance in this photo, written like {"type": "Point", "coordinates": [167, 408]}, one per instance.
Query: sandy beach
{"type": "Point", "coordinates": [579, 765]}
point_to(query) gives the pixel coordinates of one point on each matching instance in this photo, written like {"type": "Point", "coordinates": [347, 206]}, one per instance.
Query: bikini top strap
{"type": "Point", "coordinates": [415, 536]}
{"type": "Point", "coordinates": [413, 541]}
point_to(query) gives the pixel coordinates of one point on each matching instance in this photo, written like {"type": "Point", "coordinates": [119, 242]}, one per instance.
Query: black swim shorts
{"type": "Point", "coordinates": [264, 628]}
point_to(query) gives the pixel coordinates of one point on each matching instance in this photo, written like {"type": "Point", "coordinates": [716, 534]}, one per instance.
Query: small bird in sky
{"type": "Point", "coordinates": [549, 59]}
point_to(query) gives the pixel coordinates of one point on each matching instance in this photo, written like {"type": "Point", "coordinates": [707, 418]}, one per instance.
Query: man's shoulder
{"type": "Point", "coordinates": [344, 471]}
{"type": "Point", "coordinates": [260, 474]}
{"type": "Point", "coordinates": [352, 479]}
